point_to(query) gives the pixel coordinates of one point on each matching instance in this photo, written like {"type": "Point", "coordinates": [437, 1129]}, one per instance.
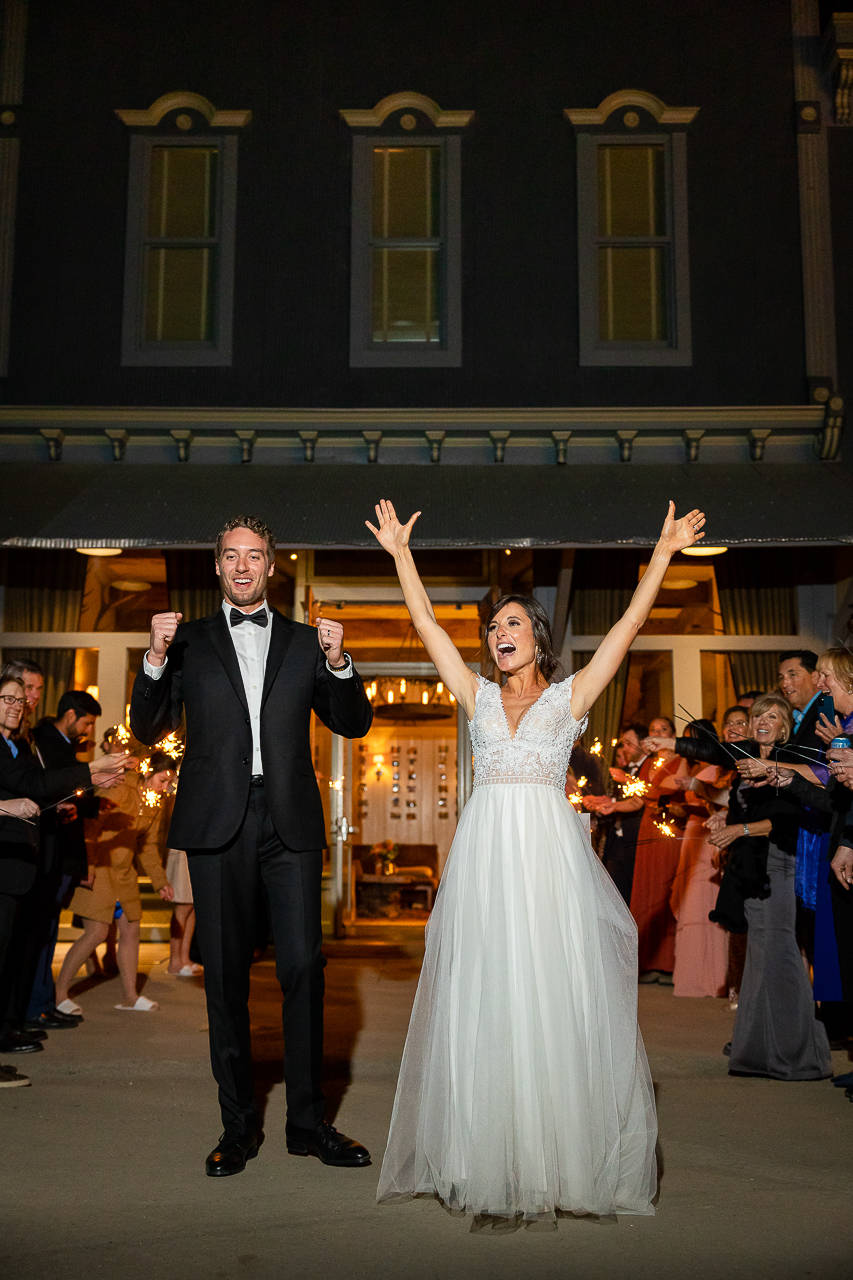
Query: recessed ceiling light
{"type": "Point", "coordinates": [98, 551]}
{"type": "Point", "coordinates": [703, 551]}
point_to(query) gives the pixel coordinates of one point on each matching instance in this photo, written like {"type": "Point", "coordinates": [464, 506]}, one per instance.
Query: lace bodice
{"type": "Point", "coordinates": [542, 746]}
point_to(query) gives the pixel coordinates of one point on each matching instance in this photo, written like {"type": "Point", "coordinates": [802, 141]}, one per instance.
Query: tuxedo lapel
{"type": "Point", "coordinates": [282, 634]}
{"type": "Point", "coordinates": [217, 634]}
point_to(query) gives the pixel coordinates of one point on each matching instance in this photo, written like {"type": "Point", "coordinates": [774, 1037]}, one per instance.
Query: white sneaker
{"type": "Point", "coordinates": [10, 1078]}
{"type": "Point", "coordinates": [143, 1005]}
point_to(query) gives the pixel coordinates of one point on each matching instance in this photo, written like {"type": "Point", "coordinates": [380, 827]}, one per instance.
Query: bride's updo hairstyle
{"type": "Point", "coordinates": [546, 659]}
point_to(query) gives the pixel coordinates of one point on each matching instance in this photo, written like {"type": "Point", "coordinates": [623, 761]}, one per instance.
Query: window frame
{"type": "Point", "coordinates": [364, 352]}
{"type": "Point", "coordinates": [136, 350]}
{"type": "Point", "coordinates": [678, 350]}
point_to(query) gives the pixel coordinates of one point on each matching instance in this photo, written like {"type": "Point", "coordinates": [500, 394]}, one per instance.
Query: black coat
{"type": "Point", "coordinates": [24, 776]}
{"type": "Point", "coordinates": [202, 678]}
{"type": "Point", "coordinates": [66, 841]}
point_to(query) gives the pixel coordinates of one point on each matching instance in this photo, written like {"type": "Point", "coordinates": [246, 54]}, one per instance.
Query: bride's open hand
{"type": "Point", "coordinates": [392, 535]}
{"type": "Point", "coordinates": [678, 534]}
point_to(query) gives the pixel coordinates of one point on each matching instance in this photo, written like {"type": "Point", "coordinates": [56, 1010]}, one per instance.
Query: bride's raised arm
{"type": "Point", "coordinates": [394, 537]}
{"type": "Point", "coordinates": [594, 678]}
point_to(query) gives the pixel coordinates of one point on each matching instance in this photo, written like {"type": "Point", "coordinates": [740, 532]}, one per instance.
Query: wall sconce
{"type": "Point", "coordinates": [424, 697]}
{"type": "Point", "coordinates": [378, 761]}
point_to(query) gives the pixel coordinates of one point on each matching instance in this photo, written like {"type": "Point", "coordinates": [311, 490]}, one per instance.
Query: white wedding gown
{"type": "Point", "coordinates": [524, 1088]}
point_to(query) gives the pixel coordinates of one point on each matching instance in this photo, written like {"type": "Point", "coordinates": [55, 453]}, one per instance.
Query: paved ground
{"type": "Point", "coordinates": [102, 1158]}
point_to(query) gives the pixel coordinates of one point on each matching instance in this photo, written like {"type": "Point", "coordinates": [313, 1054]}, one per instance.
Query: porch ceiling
{"type": "Point", "coordinates": [325, 505]}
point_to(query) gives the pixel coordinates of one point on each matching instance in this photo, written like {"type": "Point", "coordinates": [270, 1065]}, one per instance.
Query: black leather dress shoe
{"type": "Point", "coordinates": [231, 1154]}
{"type": "Point", "coordinates": [19, 1042]}
{"type": "Point", "coordinates": [327, 1145]}
{"type": "Point", "coordinates": [32, 1033]}
{"type": "Point", "coordinates": [54, 1021]}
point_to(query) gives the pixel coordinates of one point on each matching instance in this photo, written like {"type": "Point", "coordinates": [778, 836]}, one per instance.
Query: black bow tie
{"type": "Point", "coordinates": [260, 617]}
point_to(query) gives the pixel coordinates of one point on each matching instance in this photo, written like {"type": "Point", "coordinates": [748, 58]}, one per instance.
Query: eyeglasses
{"type": "Point", "coordinates": [12, 702]}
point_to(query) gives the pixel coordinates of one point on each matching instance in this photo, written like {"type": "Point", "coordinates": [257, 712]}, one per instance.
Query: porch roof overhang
{"type": "Point", "coordinates": [64, 504]}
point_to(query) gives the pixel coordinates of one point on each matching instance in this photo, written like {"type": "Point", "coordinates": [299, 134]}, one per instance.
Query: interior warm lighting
{"type": "Point", "coordinates": [425, 697]}
{"type": "Point", "coordinates": [702, 550]}
{"type": "Point", "coordinates": [452, 699]}
{"type": "Point", "coordinates": [402, 686]}
{"type": "Point", "coordinates": [679, 584]}
{"type": "Point", "coordinates": [439, 688]}
{"type": "Point", "coordinates": [293, 556]}
{"type": "Point", "coordinates": [507, 551]}
{"type": "Point", "coordinates": [98, 551]}
{"type": "Point", "coordinates": [93, 690]}
{"type": "Point", "coordinates": [390, 695]}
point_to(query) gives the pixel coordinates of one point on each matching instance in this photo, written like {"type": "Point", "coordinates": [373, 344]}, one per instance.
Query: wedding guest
{"type": "Point", "coordinates": [735, 729]}
{"type": "Point", "coordinates": [129, 826]}
{"type": "Point", "coordinates": [620, 846]}
{"type": "Point", "coordinates": [63, 836]}
{"type": "Point", "coordinates": [22, 781]}
{"type": "Point", "coordinates": [656, 863]}
{"type": "Point", "coordinates": [776, 1033]}
{"type": "Point", "coordinates": [746, 699]}
{"type": "Point", "coordinates": [736, 723]}
{"type": "Point", "coordinates": [701, 946]}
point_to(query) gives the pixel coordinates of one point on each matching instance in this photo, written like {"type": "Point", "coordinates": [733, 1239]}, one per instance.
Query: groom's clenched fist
{"type": "Point", "coordinates": [163, 628]}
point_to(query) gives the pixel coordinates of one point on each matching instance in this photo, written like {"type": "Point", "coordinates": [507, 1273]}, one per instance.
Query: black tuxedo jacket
{"type": "Point", "coordinates": [202, 678]}
{"type": "Point", "coordinates": [24, 776]}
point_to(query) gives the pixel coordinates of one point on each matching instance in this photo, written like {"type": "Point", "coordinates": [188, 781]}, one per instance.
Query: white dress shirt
{"type": "Point", "coordinates": [251, 645]}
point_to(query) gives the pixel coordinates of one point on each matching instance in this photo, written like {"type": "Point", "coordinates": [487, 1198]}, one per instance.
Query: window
{"type": "Point", "coordinates": [180, 251]}
{"type": "Point", "coordinates": [632, 250]}
{"type": "Point", "coordinates": [405, 253]}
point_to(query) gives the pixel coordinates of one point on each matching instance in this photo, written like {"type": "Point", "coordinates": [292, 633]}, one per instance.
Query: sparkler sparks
{"type": "Point", "coordinates": [665, 829]}
{"type": "Point", "coordinates": [576, 799]}
{"type": "Point", "coordinates": [171, 746]}
{"type": "Point", "coordinates": [596, 748]}
{"type": "Point", "coordinates": [152, 798]}
{"type": "Point", "coordinates": [634, 787]}
{"type": "Point", "coordinates": [582, 782]}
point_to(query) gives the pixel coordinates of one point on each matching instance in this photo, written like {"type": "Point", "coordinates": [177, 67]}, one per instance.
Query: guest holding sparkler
{"type": "Point", "coordinates": [129, 825]}
{"type": "Point", "coordinates": [23, 782]}
{"type": "Point", "coordinates": [701, 946]}
{"type": "Point", "coordinates": [656, 863]}
{"type": "Point", "coordinates": [626, 812]}
{"type": "Point", "coordinates": [776, 1033]}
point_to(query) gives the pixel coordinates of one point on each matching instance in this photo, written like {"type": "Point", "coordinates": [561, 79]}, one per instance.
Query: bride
{"type": "Point", "coordinates": [524, 1089]}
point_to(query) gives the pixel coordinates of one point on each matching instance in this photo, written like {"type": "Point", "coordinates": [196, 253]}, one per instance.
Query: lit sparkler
{"type": "Point", "coordinates": [152, 798]}
{"type": "Point", "coordinates": [634, 787]}
{"type": "Point", "coordinates": [171, 746]}
{"type": "Point", "coordinates": [582, 782]}
{"type": "Point", "coordinates": [595, 749]}
{"type": "Point", "coordinates": [665, 829]}
{"type": "Point", "coordinates": [576, 799]}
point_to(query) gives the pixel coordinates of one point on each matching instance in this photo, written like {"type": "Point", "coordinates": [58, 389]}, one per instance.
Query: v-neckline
{"type": "Point", "coordinates": [512, 736]}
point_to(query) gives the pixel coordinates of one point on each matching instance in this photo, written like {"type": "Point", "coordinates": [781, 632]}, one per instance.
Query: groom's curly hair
{"type": "Point", "coordinates": [547, 660]}
{"type": "Point", "coordinates": [255, 526]}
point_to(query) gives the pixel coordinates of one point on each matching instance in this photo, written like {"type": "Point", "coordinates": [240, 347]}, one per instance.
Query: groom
{"type": "Point", "coordinates": [249, 814]}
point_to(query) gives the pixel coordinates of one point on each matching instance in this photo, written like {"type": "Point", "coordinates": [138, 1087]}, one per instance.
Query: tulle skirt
{"type": "Point", "coordinates": [524, 1088]}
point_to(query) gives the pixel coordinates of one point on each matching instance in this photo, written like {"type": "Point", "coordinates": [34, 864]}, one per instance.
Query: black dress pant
{"type": "Point", "coordinates": [229, 885]}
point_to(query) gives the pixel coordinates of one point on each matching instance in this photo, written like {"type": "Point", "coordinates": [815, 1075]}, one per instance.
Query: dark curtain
{"type": "Point", "coordinates": [602, 585]}
{"type": "Point", "coordinates": [756, 598]}
{"type": "Point", "coordinates": [192, 584]}
{"type": "Point", "coordinates": [44, 590]}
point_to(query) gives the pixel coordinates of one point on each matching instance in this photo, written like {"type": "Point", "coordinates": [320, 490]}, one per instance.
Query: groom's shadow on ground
{"type": "Point", "coordinates": [344, 1019]}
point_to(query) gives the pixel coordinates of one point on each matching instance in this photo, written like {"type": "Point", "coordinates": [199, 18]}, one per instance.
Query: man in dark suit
{"type": "Point", "coordinates": [620, 845]}
{"type": "Point", "coordinates": [248, 813]}
{"type": "Point", "coordinates": [798, 681]}
{"type": "Point", "coordinates": [22, 776]}
{"type": "Point", "coordinates": [63, 838]}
